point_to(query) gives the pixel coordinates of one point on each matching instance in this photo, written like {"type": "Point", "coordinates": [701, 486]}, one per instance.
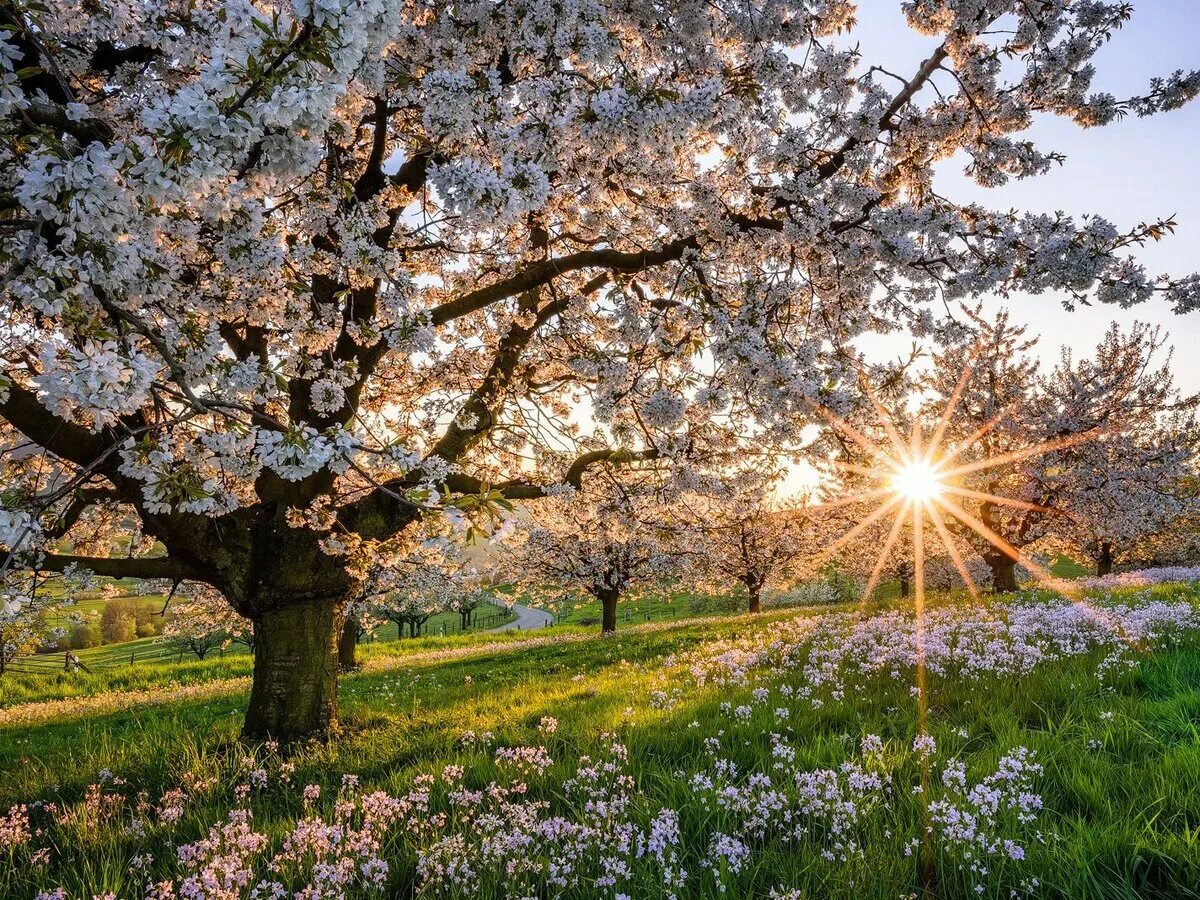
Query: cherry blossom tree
{"type": "Point", "coordinates": [1067, 436]}
{"type": "Point", "coordinates": [1134, 480]}
{"type": "Point", "coordinates": [467, 602]}
{"type": "Point", "coordinates": [24, 625]}
{"type": "Point", "coordinates": [284, 280]}
{"type": "Point", "coordinates": [613, 535]}
{"type": "Point", "coordinates": [749, 535]}
{"type": "Point", "coordinates": [200, 620]}
{"type": "Point", "coordinates": [417, 593]}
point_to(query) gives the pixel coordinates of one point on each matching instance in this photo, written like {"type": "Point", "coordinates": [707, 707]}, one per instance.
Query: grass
{"type": "Point", "coordinates": [1121, 782]}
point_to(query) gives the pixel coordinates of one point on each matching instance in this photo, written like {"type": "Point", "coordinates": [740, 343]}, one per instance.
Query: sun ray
{"type": "Point", "coordinates": [846, 428]}
{"type": "Point", "coordinates": [851, 500]}
{"type": "Point", "coordinates": [881, 561]}
{"type": "Point", "coordinates": [977, 435]}
{"type": "Point", "coordinates": [1042, 573]}
{"type": "Point", "coordinates": [1024, 453]}
{"type": "Point", "coordinates": [951, 407]}
{"type": "Point", "coordinates": [947, 539]}
{"type": "Point", "coordinates": [862, 526]}
{"type": "Point", "coordinates": [927, 856]}
{"type": "Point", "coordinates": [989, 535]}
{"type": "Point", "coordinates": [996, 498]}
{"type": "Point", "coordinates": [855, 468]}
{"type": "Point", "coordinates": [885, 417]}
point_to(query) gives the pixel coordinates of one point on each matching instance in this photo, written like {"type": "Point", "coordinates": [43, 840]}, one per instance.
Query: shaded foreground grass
{"type": "Point", "coordinates": [1121, 782]}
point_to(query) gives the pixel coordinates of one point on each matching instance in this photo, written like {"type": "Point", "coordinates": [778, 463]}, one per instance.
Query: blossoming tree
{"type": "Point", "coordinates": [612, 536]}
{"type": "Point", "coordinates": [283, 278]}
{"type": "Point", "coordinates": [1128, 484]}
{"type": "Point", "coordinates": [748, 535]}
{"type": "Point", "coordinates": [1070, 438]}
{"type": "Point", "coordinates": [24, 625]}
{"type": "Point", "coordinates": [200, 620]}
{"type": "Point", "coordinates": [413, 591]}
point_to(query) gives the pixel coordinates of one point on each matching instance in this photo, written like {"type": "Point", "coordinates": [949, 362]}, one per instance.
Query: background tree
{"type": "Point", "coordinates": [1133, 480]}
{"type": "Point", "coordinates": [467, 603]}
{"type": "Point", "coordinates": [415, 594]}
{"type": "Point", "coordinates": [999, 411]}
{"type": "Point", "coordinates": [24, 625]}
{"type": "Point", "coordinates": [199, 620]}
{"type": "Point", "coordinates": [748, 534]}
{"type": "Point", "coordinates": [1067, 437]}
{"type": "Point", "coordinates": [280, 280]}
{"type": "Point", "coordinates": [613, 535]}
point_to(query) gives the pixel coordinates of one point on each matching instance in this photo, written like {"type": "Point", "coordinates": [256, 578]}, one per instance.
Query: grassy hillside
{"type": "Point", "coordinates": [1112, 725]}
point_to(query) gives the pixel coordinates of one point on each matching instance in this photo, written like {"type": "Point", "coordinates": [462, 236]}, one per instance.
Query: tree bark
{"type": "Point", "coordinates": [347, 644]}
{"type": "Point", "coordinates": [294, 693]}
{"type": "Point", "coordinates": [608, 606]}
{"type": "Point", "coordinates": [755, 599]}
{"type": "Point", "coordinates": [1004, 574]}
{"type": "Point", "coordinates": [1104, 561]}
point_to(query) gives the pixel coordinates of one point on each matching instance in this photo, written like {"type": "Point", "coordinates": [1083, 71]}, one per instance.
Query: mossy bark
{"type": "Point", "coordinates": [294, 692]}
{"type": "Point", "coordinates": [347, 644]}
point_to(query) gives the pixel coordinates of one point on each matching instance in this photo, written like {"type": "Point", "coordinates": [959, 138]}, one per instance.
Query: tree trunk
{"type": "Point", "coordinates": [1104, 562]}
{"type": "Point", "coordinates": [294, 694]}
{"type": "Point", "coordinates": [608, 605]}
{"type": "Point", "coordinates": [755, 598]}
{"type": "Point", "coordinates": [1004, 574]}
{"type": "Point", "coordinates": [347, 644]}
{"type": "Point", "coordinates": [904, 591]}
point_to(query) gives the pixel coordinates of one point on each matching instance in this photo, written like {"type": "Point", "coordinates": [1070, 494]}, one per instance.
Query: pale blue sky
{"type": "Point", "coordinates": [1133, 171]}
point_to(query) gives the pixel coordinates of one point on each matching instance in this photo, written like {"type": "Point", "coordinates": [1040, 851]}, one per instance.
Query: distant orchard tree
{"type": "Point", "coordinates": [612, 536]}
{"type": "Point", "coordinates": [414, 593]}
{"type": "Point", "coordinates": [1136, 478]}
{"type": "Point", "coordinates": [24, 626]}
{"type": "Point", "coordinates": [285, 281]}
{"type": "Point", "coordinates": [1076, 440]}
{"type": "Point", "coordinates": [748, 534]}
{"type": "Point", "coordinates": [467, 603]}
{"type": "Point", "coordinates": [199, 621]}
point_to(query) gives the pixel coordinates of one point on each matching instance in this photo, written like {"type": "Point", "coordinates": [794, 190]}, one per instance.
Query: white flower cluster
{"type": "Point", "coordinates": [839, 654]}
{"type": "Point", "coordinates": [94, 384]}
{"type": "Point", "coordinates": [296, 454]}
{"type": "Point", "coordinates": [18, 528]}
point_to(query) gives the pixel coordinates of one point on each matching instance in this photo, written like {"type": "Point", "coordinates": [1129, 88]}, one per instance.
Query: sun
{"type": "Point", "coordinates": [918, 481]}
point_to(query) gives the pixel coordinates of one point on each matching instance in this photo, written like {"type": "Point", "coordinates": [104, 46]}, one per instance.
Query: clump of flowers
{"type": "Point", "coordinates": [974, 823]}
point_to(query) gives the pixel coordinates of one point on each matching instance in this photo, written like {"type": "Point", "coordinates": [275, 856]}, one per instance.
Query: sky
{"type": "Point", "coordinates": [1133, 171]}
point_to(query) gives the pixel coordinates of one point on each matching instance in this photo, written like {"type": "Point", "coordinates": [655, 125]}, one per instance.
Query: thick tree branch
{"type": "Point", "coordinates": [114, 566]}
{"type": "Point", "coordinates": [64, 439]}
{"type": "Point", "coordinates": [538, 274]}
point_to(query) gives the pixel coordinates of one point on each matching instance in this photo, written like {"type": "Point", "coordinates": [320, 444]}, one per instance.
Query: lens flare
{"type": "Point", "coordinates": [918, 481]}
